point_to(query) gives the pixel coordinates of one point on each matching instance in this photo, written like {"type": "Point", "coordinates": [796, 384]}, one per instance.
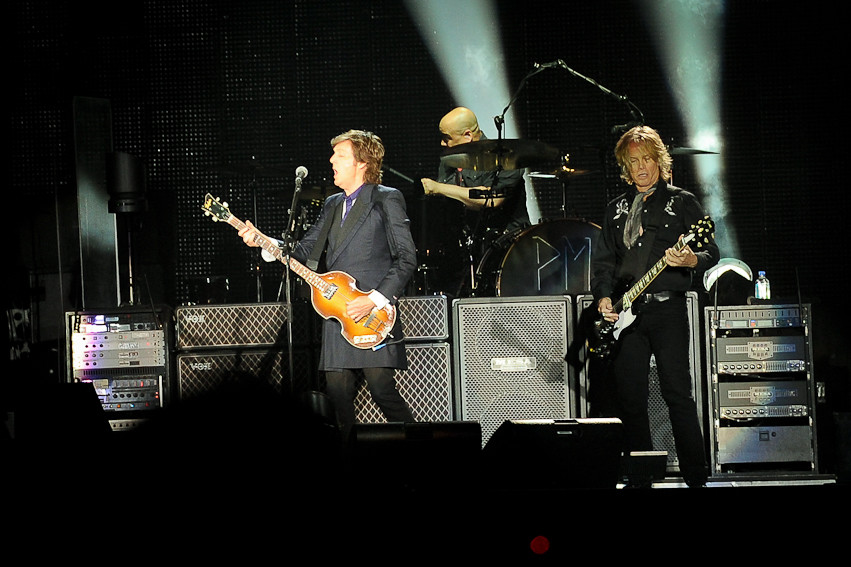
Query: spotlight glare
{"type": "Point", "coordinates": [476, 77]}
{"type": "Point", "coordinates": [688, 39]}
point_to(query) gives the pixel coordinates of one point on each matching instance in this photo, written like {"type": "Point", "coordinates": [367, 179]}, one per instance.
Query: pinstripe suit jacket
{"type": "Point", "coordinates": [374, 246]}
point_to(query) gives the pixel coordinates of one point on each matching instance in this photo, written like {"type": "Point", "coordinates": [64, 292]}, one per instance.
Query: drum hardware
{"type": "Point", "coordinates": [683, 151]}
{"type": "Point", "coordinates": [564, 174]}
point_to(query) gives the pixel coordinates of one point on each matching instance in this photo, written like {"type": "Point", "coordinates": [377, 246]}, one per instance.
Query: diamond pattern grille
{"type": "Point", "coordinates": [425, 385]}
{"type": "Point", "coordinates": [250, 325]}
{"type": "Point", "coordinates": [425, 317]}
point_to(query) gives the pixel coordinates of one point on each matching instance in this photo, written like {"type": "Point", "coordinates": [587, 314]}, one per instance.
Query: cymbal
{"type": "Point", "coordinates": [489, 155]}
{"type": "Point", "coordinates": [251, 169]}
{"type": "Point", "coordinates": [563, 173]}
{"type": "Point", "coordinates": [687, 151]}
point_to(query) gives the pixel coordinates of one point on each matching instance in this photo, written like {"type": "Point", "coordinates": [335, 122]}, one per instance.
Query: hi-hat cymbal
{"type": "Point", "coordinates": [489, 155]}
{"type": "Point", "coordinates": [675, 150]}
{"type": "Point", "coordinates": [250, 169]}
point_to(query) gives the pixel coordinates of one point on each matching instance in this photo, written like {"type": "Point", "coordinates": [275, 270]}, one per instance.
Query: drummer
{"type": "Point", "coordinates": [494, 201]}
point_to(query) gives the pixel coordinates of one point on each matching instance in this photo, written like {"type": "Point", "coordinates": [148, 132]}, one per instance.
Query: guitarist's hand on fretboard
{"type": "Point", "coordinates": [684, 258]}
{"type": "Point", "coordinates": [250, 234]}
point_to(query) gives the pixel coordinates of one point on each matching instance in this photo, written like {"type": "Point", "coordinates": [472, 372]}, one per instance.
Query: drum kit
{"type": "Point", "coordinates": [549, 258]}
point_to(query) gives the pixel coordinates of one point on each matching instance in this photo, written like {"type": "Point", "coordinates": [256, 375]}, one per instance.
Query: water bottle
{"type": "Point", "coordinates": [762, 288]}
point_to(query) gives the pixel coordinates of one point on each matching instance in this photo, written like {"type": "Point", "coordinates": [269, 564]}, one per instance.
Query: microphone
{"type": "Point", "coordinates": [301, 172]}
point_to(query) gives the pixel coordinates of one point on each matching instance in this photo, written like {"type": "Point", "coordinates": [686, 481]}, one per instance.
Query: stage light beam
{"type": "Point", "coordinates": [464, 40]}
{"type": "Point", "coordinates": [687, 34]}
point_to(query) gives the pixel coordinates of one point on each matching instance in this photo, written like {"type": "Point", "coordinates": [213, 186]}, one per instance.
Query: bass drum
{"type": "Point", "coordinates": [551, 258]}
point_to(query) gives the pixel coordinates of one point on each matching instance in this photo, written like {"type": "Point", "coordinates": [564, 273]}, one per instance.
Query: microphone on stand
{"type": "Point", "coordinates": [621, 128]}
{"type": "Point", "coordinates": [300, 174]}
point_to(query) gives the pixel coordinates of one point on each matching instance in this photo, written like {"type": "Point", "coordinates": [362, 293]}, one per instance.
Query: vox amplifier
{"type": "Point", "coordinates": [230, 325]}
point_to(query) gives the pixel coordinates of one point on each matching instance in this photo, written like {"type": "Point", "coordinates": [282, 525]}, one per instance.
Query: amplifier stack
{"type": "Point", "coordinates": [427, 382]}
{"type": "Point", "coordinates": [227, 342]}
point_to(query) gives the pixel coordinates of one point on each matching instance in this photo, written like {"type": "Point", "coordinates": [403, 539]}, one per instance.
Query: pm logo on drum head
{"type": "Point", "coordinates": [551, 258]}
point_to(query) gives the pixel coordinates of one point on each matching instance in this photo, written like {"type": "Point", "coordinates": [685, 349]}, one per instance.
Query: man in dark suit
{"type": "Point", "coordinates": [364, 232]}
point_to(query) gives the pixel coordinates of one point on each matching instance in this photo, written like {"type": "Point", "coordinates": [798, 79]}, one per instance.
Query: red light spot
{"type": "Point", "coordinates": [539, 545]}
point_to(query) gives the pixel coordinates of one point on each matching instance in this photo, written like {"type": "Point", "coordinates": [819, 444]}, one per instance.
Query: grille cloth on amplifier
{"type": "Point", "coordinates": [510, 360]}
{"type": "Point", "coordinates": [424, 317]}
{"type": "Point", "coordinates": [425, 385]}
{"type": "Point", "coordinates": [202, 372]}
{"type": "Point", "coordinates": [249, 325]}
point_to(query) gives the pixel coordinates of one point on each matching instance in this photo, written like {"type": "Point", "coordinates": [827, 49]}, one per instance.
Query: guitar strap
{"type": "Point", "coordinates": [635, 265]}
{"type": "Point", "coordinates": [319, 247]}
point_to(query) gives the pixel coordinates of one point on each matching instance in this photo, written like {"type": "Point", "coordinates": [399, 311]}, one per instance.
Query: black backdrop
{"type": "Point", "coordinates": [198, 88]}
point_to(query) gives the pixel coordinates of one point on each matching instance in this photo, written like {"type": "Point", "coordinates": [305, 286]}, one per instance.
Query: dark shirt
{"type": "Point", "coordinates": [513, 213]}
{"type": "Point", "coordinates": [673, 212]}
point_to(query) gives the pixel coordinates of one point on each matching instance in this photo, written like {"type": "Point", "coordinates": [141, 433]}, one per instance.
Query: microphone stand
{"type": "Point", "coordinates": [499, 121]}
{"type": "Point", "coordinates": [634, 111]}
{"type": "Point", "coordinates": [288, 246]}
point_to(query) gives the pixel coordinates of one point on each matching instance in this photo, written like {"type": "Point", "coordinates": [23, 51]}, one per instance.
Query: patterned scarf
{"type": "Point", "coordinates": [632, 229]}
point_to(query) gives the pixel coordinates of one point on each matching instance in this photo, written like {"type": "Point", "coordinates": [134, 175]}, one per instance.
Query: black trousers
{"type": "Point", "coordinates": [342, 387]}
{"type": "Point", "coordinates": [661, 329]}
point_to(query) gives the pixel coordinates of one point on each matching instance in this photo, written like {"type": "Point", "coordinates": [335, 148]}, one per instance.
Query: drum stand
{"type": "Point", "coordinates": [469, 244]}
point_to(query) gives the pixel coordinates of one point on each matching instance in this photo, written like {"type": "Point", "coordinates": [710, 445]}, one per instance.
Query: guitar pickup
{"type": "Point", "coordinates": [329, 291]}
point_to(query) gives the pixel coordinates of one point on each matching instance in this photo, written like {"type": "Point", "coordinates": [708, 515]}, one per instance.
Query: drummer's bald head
{"type": "Point", "coordinates": [459, 126]}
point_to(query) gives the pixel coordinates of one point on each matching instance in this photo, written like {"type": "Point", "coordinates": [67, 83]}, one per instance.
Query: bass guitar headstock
{"type": "Point", "coordinates": [216, 209]}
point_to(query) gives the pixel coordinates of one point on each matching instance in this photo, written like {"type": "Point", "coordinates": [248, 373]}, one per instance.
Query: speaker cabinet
{"type": "Point", "coordinates": [231, 326]}
{"type": "Point", "coordinates": [593, 394]}
{"type": "Point", "coordinates": [555, 454]}
{"type": "Point", "coordinates": [425, 318]}
{"type": "Point", "coordinates": [426, 385]}
{"type": "Point", "coordinates": [202, 372]}
{"type": "Point", "coordinates": [510, 359]}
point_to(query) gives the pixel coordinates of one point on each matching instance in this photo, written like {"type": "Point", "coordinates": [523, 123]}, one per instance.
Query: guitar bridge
{"type": "Point", "coordinates": [329, 291]}
{"type": "Point", "coordinates": [371, 320]}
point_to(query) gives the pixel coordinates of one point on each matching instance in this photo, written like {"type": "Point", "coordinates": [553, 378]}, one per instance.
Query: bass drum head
{"type": "Point", "coordinates": [551, 258]}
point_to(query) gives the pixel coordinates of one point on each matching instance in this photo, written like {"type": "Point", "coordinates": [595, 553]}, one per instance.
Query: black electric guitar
{"type": "Point", "coordinates": [329, 292]}
{"type": "Point", "coordinates": [606, 333]}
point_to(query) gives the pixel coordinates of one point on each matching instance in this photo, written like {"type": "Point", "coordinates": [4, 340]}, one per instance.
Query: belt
{"type": "Point", "coordinates": [661, 296]}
